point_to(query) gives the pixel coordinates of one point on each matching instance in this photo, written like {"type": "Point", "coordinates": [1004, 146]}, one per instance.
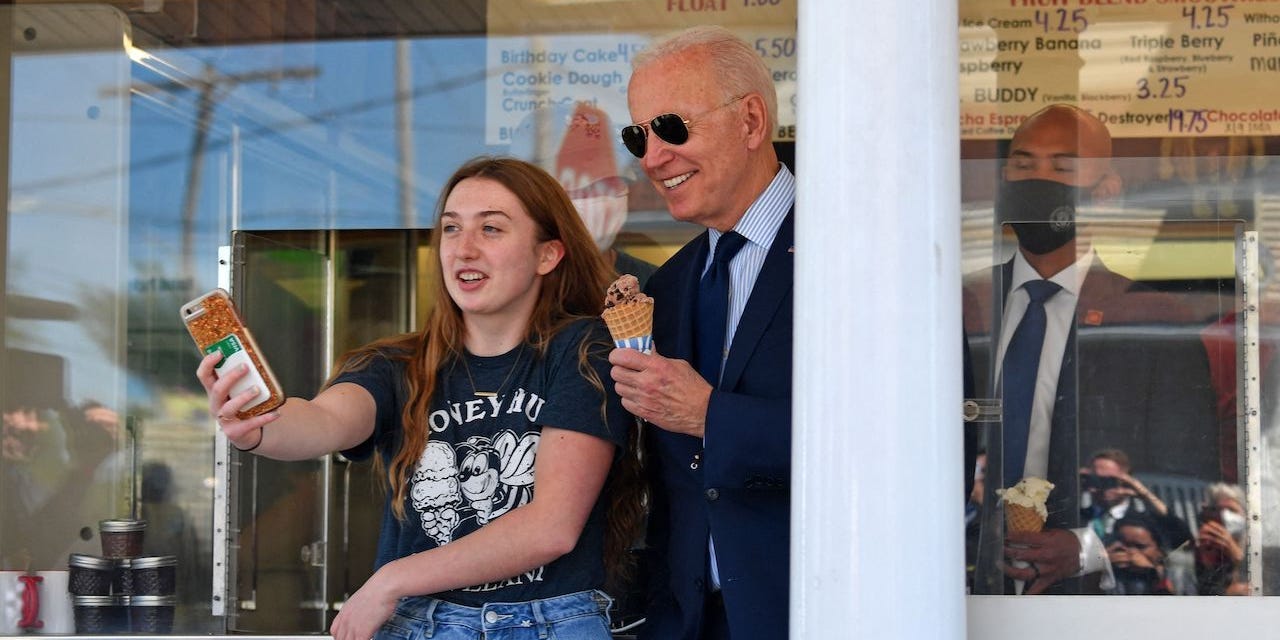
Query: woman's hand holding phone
{"type": "Point", "coordinates": [243, 391]}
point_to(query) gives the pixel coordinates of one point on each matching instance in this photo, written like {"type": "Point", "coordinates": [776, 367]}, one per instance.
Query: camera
{"type": "Point", "coordinates": [1092, 481]}
{"type": "Point", "coordinates": [1233, 522]}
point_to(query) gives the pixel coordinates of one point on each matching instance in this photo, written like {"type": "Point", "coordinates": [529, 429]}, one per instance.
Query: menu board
{"type": "Point", "coordinates": [1146, 68]}
{"type": "Point", "coordinates": [548, 57]}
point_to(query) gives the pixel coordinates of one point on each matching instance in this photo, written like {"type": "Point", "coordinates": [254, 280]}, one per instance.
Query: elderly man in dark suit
{"type": "Point", "coordinates": [1084, 358]}
{"type": "Point", "coordinates": [716, 394]}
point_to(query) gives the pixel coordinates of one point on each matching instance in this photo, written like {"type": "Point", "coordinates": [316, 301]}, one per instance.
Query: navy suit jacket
{"type": "Point", "coordinates": [735, 483]}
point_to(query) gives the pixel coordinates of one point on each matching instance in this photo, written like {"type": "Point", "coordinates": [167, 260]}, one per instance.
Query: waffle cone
{"type": "Point", "coordinates": [629, 320]}
{"type": "Point", "coordinates": [1020, 519]}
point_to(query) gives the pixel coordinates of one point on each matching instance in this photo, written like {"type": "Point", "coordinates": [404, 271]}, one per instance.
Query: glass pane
{"type": "Point", "coordinates": [70, 452]}
{"type": "Point", "coordinates": [142, 137]}
{"type": "Point", "coordinates": [279, 530]}
{"type": "Point", "coordinates": [1149, 415]}
{"type": "Point", "coordinates": [1180, 382]}
{"type": "Point", "coordinates": [307, 530]}
{"type": "Point", "coordinates": [376, 283]}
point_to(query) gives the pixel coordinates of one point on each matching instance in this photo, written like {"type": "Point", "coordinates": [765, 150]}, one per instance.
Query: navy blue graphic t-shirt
{"type": "Point", "coordinates": [480, 456]}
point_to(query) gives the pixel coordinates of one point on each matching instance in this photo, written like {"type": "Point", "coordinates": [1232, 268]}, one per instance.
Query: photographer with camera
{"type": "Point", "coordinates": [1220, 542]}
{"type": "Point", "coordinates": [1114, 494]}
{"type": "Point", "coordinates": [1137, 555]}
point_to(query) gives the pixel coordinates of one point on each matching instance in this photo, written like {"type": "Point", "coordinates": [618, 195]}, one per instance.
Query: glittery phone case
{"type": "Point", "coordinates": [215, 325]}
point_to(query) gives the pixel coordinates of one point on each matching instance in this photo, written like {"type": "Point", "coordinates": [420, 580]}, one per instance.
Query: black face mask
{"type": "Point", "coordinates": [1041, 212]}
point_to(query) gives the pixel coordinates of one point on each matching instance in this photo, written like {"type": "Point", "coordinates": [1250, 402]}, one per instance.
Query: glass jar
{"type": "Point", "coordinates": [97, 615]}
{"type": "Point", "coordinates": [154, 575]}
{"type": "Point", "coordinates": [122, 538]}
{"type": "Point", "coordinates": [151, 614]}
{"type": "Point", "coordinates": [122, 582]}
{"type": "Point", "coordinates": [90, 575]}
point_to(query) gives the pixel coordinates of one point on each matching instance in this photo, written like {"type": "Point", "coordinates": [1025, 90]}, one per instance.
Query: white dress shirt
{"type": "Point", "coordinates": [1060, 312]}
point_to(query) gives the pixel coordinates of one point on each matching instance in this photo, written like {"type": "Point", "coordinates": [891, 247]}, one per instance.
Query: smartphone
{"type": "Point", "coordinates": [215, 325]}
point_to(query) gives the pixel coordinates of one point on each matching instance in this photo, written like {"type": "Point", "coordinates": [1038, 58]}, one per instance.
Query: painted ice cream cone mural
{"type": "Point", "coordinates": [585, 163]}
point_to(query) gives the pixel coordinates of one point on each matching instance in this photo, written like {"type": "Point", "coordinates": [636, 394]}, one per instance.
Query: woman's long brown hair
{"type": "Point", "coordinates": [573, 290]}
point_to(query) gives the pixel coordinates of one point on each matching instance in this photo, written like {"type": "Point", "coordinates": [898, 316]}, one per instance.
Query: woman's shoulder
{"type": "Point", "coordinates": [378, 359]}
{"type": "Point", "coordinates": [573, 336]}
{"type": "Point", "coordinates": [398, 347]}
{"type": "Point", "coordinates": [579, 329]}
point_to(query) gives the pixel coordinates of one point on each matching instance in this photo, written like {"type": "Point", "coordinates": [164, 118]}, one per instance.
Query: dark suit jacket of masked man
{"type": "Point", "coordinates": [1134, 376]}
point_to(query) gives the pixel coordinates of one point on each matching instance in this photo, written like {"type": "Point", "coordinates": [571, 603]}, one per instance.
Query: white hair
{"type": "Point", "coordinates": [737, 67]}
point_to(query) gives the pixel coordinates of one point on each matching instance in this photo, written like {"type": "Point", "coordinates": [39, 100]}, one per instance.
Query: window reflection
{"type": "Point", "coordinates": [153, 160]}
{"type": "Point", "coordinates": [1177, 243]}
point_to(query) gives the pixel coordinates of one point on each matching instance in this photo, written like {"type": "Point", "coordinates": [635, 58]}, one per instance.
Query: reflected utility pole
{"type": "Point", "coordinates": [404, 133]}
{"type": "Point", "coordinates": [212, 86]}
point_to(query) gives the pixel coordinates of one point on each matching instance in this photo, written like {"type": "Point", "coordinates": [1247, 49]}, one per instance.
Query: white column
{"type": "Point", "coordinates": [877, 524]}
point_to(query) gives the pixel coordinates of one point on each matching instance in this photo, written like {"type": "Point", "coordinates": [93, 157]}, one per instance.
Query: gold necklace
{"type": "Point", "coordinates": [490, 394]}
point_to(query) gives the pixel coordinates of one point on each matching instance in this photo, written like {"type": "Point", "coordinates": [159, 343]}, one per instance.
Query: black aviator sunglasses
{"type": "Point", "coordinates": [669, 127]}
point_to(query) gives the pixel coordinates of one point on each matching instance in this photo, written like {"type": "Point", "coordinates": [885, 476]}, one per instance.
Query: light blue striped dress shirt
{"type": "Point", "coordinates": [758, 225]}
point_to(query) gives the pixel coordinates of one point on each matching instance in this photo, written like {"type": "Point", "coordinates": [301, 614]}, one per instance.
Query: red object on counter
{"type": "Point", "coordinates": [30, 602]}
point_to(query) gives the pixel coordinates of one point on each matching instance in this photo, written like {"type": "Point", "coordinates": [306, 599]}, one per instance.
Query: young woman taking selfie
{"type": "Point", "coordinates": [512, 475]}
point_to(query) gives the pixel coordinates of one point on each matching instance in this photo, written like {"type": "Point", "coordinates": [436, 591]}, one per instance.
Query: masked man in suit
{"type": "Point", "coordinates": [716, 393]}
{"type": "Point", "coordinates": [1110, 367]}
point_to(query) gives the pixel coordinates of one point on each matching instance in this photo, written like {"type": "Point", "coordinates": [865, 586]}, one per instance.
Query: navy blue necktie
{"type": "Point", "coordinates": [712, 309]}
{"type": "Point", "coordinates": [1021, 363]}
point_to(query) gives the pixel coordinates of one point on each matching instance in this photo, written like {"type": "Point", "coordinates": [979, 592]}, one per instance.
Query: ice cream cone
{"type": "Point", "coordinates": [629, 314]}
{"type": "Point", "coordinates": [1020, 519]}
{"type": "Point", "coordinates": [1024, 504]}
{"type": "Point", "coordinates": [630, 324]}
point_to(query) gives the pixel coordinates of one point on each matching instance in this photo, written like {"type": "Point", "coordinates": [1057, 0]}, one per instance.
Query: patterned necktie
{"type": "Point", "coordinates": [712, 308]}
{"type": "Point", "coordinates": [1021, 362]}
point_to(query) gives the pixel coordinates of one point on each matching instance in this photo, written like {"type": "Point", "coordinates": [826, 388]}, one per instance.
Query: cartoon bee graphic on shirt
{"type": "Point", "coordinates": [496, 476]}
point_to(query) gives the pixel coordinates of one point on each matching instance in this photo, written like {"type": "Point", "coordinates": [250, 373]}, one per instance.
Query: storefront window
{"type": "Point", "coordinates": [295, 155]}
{"type": "Point", "coordinates": [1125, 134]}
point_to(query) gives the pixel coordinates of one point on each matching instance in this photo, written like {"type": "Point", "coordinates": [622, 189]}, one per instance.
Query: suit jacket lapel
{"type": "Point", "coordinates": [1064, 444]}
{"type": "Point", "coordinates": [683, 349]}
{"type": "Point", "coordinates": [772, 287]}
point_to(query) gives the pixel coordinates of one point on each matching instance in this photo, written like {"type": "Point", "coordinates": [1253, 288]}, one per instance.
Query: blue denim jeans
{"type": "Point", "coordinates": [576, 616]}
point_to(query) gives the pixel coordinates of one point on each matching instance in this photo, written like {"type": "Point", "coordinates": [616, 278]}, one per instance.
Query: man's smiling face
{"type": "Point", "coordinates": [702, 179]}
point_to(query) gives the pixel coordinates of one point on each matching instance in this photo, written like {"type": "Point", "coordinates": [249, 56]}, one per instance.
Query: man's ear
{"type": "Point", "coordinates": [550, 253]}
{"type": "Point", "coordinates": [755, 121]}
{"type": "Point", "coordinates": [1109, 187]}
